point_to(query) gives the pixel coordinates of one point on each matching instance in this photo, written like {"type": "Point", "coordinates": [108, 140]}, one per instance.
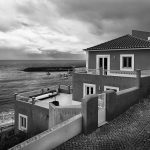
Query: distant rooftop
{"type": "Point", "coordinates": [138, 39]}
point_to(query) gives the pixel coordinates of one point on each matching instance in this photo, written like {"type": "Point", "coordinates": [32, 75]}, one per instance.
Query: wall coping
{"type": "Point", "coordinates": [127, 90]}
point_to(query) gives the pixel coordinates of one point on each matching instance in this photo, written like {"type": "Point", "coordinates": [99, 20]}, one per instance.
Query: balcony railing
{"type": "Point", "coordinates": [29, 96]}
{"type": "Point", "coordinates": [105, 72]}
{"type": "Point", "coordinates": [87, 71]}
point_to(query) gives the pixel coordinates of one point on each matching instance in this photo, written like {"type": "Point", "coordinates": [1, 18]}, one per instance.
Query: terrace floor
{"type": "Point", "coordinates": [129, 131]}
{"type": "Point", "coordinates": [63, 98]}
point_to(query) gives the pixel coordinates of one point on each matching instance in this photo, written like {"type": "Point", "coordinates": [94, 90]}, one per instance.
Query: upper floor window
{"type": "Point", "coordinates": [23, 122]}
{"type": "Point", "coordinates": [127, 62]}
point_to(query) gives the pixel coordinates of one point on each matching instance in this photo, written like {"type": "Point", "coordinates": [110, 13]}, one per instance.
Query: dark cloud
{"type": "Point", "coordinates": [20, 53]}
{"type": "Point", "coordinates": [55, 54]}
{"type": "Point", "coordinates": [9, 25]}
{"type": "Point", "coordinates": [108, 16]}
{"type": "Point", "coordinates": [12, 53]}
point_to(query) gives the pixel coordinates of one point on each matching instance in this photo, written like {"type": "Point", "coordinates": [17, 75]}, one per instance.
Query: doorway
{"type": "Point", "coordinates": [103, 61]}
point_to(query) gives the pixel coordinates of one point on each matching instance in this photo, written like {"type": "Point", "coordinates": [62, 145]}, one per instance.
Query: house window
{"type": "Point", "coordinates": [116, 89]}
{"type": "Point", "coordinates": [23, 122]}
{"type": "Point", "coordinates": [127, 62]}
{"type": "Point", "coordinates": [88, 89]}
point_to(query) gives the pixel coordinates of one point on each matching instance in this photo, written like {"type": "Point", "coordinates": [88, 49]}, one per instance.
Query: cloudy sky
{"type": "Point", "coordinates": [60, 29]}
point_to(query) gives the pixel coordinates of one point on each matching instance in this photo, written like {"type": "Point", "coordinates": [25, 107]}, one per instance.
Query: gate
{"type": "Point", "coordinates": [101, 108]}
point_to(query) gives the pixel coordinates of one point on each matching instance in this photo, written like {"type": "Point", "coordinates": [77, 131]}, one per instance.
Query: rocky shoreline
{"type": "Point", "coordinates": [47, 69]}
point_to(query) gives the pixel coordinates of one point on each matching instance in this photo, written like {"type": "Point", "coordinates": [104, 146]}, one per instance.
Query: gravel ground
{"type": "Point", "coordinates": [129, 131]}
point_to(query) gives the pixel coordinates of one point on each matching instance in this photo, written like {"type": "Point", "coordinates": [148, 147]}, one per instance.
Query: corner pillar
{"type": "Point", "coordinates": [90, 113]}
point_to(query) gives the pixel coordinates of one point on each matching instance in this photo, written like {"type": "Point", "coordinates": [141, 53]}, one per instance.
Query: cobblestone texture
{"type": "Point", "coordinates": [129, 131]}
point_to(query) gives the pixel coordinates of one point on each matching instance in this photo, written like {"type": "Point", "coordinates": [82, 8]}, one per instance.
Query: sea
{"type": "Point", "coordinates": [14, 80]}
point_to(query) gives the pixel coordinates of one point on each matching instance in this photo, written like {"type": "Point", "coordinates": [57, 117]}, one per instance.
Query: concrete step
{"type": "Point", "coordinates": [102, 123]}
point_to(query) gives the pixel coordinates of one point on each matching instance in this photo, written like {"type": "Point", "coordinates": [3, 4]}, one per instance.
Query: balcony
{"type": "Point", "coordinates": [105, 72]}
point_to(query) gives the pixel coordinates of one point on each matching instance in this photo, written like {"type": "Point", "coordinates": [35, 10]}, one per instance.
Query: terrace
{"type": "Point", "coordinates": [63, 99]}
{"type": "Point", "coordinates": [57, 95]}
{"type": "Point", "coordinates": [105, 72]}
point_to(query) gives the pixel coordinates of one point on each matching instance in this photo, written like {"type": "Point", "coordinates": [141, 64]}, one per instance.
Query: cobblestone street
{"type": "Point", "coordinates": [130, 130]}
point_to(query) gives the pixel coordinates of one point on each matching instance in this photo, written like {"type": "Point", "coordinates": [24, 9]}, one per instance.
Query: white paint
{"type": "Point", "coordinates": [148, 38]}
{"type": "Point", "coordinates": [103, 56]}
{"type": "Point", "coordinates": [111, 87]}
{"type": "Point", "coordinates": [87, 60]}
{"type": "Point", "coordinates": [45, 96]}
{"type": "Point", "coordinates": [22, 128]}
{"type": "Point", "coordinates": [101, 108]}
{"type": "Point", "coordinates": [85, 85]}
{"type": "Point", "coordinates": [121, 62]}
{"type": "Point", "coordinates": [122, 75]}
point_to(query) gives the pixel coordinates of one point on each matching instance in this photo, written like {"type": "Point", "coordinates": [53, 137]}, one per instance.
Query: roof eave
{"type": "Point", "coordinates": [115, 49]}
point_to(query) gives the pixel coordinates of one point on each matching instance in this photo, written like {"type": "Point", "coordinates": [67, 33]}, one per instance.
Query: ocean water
{"type": "Point", "coordinates": [14, 80]}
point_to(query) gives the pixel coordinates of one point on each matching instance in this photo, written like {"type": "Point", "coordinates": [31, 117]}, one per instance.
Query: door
{"type": "Point", "coordinates": [101, 108]}
{"type": "Point", "coordinates": [103, 62]}
{"type": "Point", "coordinates": [105, 65]}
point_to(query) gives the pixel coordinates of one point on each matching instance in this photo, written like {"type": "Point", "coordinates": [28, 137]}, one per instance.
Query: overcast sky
{"type": "Point", "coordinates": [60, 29]}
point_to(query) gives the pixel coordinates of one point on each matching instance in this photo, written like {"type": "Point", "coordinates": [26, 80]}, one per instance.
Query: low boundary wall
{"type": "Point", "coordinates": [53, 137]}
{"type": "Point", "coordinates": [117, 103]}
{"type": "Point", "coordinates": [58, 114]}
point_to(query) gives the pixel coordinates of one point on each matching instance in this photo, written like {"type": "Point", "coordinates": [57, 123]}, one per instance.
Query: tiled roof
{"type": "Point", "coordinates": [124, 42]}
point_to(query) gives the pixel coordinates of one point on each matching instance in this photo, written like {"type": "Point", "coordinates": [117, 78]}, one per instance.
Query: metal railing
{"type": "Point", "coordinates": [87, 71]}
{"type": "Point", "coordinates": [27, 96]}
{"type": "Point", "coordinates": [104, 72]}
{"type": "Point", "coordinates": [119, 72]}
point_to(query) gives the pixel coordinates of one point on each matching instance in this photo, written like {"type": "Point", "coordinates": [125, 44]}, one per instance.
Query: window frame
{"type": "Point", "coordinates": [132, 62]}
{"type": "Point", "coordinates": [85, 85]}
{"type": "Point", "coordinates": [111, 87]}
{"type": "Point", "coordinates": [22, 128]}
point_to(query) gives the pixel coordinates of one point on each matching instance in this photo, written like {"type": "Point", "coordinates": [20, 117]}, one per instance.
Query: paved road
{"type": "Point", "coordinates": [129, 131]}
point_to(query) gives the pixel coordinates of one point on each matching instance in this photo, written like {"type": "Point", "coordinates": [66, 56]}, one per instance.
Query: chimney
{"type": "Point", "coordinates": [141, 34]}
